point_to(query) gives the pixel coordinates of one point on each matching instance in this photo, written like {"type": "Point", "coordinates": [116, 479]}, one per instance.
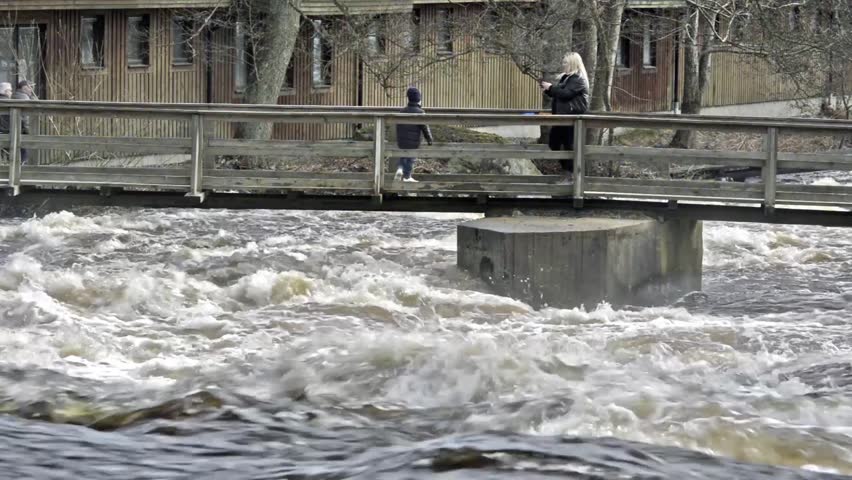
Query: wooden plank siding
{"type": "Point", "coordinates": [645, 89]}
{"type": "Point", "coordinates": [67, 79]}
{"type": "Point", "coordinates": [374, 7]}
{"type": "Point", "coordinates": [475, 78]}
{"type": "Point", "coordinates": [342, 91]}
{"type": "Point", "coordinates": [739, 79]}
{"type": "Point", "coordinates": [32, 5]}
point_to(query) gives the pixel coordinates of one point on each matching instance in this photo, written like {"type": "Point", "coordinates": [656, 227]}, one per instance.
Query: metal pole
{"type": "Point", "coordinates": [379, 159]}
{"type": "Point", "coordinates": [196, 174]}
{"type": "Point", "coordinates": [14, 151]}
{"type": "Point", "coordinates": [770, 171]}
{"type": "Point", "coordinates": [579, 163]}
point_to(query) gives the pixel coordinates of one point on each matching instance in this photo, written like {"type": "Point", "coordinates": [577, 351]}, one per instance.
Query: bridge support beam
{"type": "Point", "coordinates": [569, 262]}
{"type": "Point", "coordinates": [14, 151]}
{"type": "Point", "coordinates": [196, 173]}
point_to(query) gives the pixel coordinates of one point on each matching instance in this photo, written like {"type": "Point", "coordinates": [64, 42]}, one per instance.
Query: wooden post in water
{"type": "Point", "coordinates": [379, 159]}
{"type": "Point", "coordinates": [770, 171]}
{"type": "Point", "coordinates": [14, 151]}
{"type": "Point", "coordinates": [579, 161]}
{"type": "Point", "coordinates": [196, 174]}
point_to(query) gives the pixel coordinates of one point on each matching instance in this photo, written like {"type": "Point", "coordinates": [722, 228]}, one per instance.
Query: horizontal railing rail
{"type": "Point", "coordinates": [201, 177]}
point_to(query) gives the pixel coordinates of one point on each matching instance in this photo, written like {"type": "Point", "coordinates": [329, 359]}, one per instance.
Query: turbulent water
{"type": "Point", "coordinates": [267, 345]}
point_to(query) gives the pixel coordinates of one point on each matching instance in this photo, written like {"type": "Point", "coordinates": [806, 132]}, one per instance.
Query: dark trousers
{"type": "Point", "coordinates": [407, 166]}
{"type": "Point", "coordinates": [25, 156]}
{"type": "Point", "coordinates": [562, 138]}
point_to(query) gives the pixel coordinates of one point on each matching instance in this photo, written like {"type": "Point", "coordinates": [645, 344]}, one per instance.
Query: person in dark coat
{"type": "Point", "coordinates": [24, 92]}
{"type": "Point", "coordinates": [408, 136]}
{"type": "Point", "coordinates": [570, 96]}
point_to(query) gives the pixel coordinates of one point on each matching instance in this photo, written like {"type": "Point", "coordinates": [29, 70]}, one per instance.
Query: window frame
{"type": "Point", "coordinates": [322, 73]}
{"type": "Point", "coordinates": [650, 47]}
{"type": "Point", "coordinates": [145, 43]}
{"type": "Point", "coordinates": [622, 53]}
{"type": "Point", "coordinates": [97, 44]}
{"type": "Point", "coordinates": [179, 26]}
{"type": "Point", "coordinates": [377, 38]}
{"type": "Point", "coordinates": [289, 86]}
{"type": "Point", "coordinates": [444, 16]}
{"type": "Point", "coordinates": [493, 18]}
{"type": "Point", "coordinates": [242, 65]}
{"type": "Point", "coordinates": [415, 41]}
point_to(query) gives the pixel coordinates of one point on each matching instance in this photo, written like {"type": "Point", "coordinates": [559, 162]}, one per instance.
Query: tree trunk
{"type": "Point", "coordinates": [274, 41]}
{"type": "Point", "coordinates": [609, 33]}
{"type": "Point", "coordinates": [592, 45]}
{"type": "Point", "coordinates": [696, 66]}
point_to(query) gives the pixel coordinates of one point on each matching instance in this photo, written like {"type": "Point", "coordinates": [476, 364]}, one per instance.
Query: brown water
{"type": "Point", "coordinates": [237, 345]}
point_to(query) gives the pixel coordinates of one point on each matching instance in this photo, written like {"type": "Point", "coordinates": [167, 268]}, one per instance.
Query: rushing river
{"type": "Point", "coordinates": [166, 344]}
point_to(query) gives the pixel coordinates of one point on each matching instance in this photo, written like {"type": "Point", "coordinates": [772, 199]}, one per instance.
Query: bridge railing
{"type": "Point", "coordinates": [200, 176]}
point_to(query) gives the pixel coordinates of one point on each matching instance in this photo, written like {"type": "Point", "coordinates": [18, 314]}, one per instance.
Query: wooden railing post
{"type": "Point", "coordinates": [579, 161]}
{"type": "Point", "coordinates": [196, 174]}
{"type": "Point", "coordinates": [14, 151]}
{"type": "Point", "coordinates": [770, 171]}
{"type": "Point", "coordinates": [379, 159]}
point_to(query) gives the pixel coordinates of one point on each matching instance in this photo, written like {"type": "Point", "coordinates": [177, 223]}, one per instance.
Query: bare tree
{"type": "Point", "coordinates": [707, 27]}
{"type": "Point", "coordinates": [536, 36]}
{"type": "Point", "coordinates": [272, 27]}
{"type": "Point", "coordinates": [394, 49]}
{"type": "Point", "coordinates": [809, 42]}
{"type": "Point", "coordinates": [607, 17]}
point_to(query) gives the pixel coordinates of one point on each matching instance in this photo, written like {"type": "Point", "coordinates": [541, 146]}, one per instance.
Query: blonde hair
{"type": "Point", "coordinates": [572, 62]}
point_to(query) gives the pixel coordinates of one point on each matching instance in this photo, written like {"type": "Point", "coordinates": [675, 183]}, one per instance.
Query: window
{"type": "Point", "coordinates": [321, 57]}
{"type": "Point", "coordinates": [492, 24]}
{"type": "Point", "coordinates": [445, 33]}
{"type": "Point", "coordinates": [622, 54]}
{"type": "Point", "coordinates": [414, 33]}
{"type": "Point", "coordinates": [649, 45]}
{"type": "Point", "coordinates": [182, 33]}
{"type": "Point", "coordinates": [241, 58]}
{"type": "Point", "coordinates": [92, 41]}
{"type": "Point", "coordinates": [578, 38]}
{"type": "Point", "coordinates": [796, 19]}
{"type": "Point", "coordinates": [138, 41]}
{"type": "Point", "coordinates": [377, 39]}
{"type": "Point", "coordinates": [290, 77]}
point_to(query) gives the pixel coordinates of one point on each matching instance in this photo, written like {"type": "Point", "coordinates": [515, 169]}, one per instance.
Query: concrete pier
{"type": "Point", "coordinates": [569, 262]}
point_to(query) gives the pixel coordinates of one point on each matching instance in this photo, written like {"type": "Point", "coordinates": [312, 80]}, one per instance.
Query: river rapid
{"type": "Point", "coordinates": [179, 344]}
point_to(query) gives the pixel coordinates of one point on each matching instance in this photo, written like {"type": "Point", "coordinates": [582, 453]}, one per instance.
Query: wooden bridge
{"type": "Point", "coordinates": [200, 184]}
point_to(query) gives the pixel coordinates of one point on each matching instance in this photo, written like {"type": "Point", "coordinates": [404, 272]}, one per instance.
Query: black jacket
{"type": "Point", "coordinates": [25, 119]}
{"type": "Point", "coordinates": [408, 135]}
{"type": "Point", "coordinates": [570, 95]}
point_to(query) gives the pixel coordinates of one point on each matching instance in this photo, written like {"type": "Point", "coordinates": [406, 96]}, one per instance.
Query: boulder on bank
{"type": "Point", "coordinates": [502, 166]}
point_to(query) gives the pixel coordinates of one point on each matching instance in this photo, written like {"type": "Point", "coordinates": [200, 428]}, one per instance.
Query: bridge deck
{"type": "Point", "coordinates": [200, 185]}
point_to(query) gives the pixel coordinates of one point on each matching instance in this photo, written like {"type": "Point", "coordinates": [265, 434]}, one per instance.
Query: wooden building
{"type": "Point", "coordinates": [135, 51]}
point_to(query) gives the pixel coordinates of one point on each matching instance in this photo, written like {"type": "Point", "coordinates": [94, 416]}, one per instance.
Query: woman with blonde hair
{"type": "Point", "coordinates": [570, 96]}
